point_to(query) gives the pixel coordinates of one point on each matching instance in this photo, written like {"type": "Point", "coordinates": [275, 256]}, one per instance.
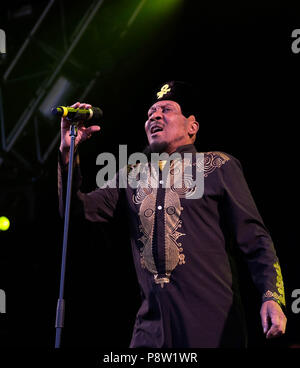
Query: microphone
{"type": "Point", "coordinates": [92, 115]}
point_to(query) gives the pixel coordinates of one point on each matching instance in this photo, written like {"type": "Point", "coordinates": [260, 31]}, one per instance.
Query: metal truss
{"type": "Point", "coordinates": [29, 117]}
{"type": "Point", "coordinates": [8, 141]}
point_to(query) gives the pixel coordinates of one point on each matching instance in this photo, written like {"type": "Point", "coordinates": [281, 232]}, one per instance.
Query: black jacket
{"type": "Point", "coordinates": [181, 253]}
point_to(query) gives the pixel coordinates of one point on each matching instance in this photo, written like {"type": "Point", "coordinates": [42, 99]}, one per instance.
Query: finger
{"type": "Point", "coordinates": [75, 105]}
{"type": "Point", "coordinates": [274, 331]}
{"type": "Point", "coordinates": [88, 132]}
{"type": "Point", "coordinates": [264, 319]}
{"type": "Point", "coordinates": [276, 327]}
{"type": "Point", "coordinates": [279, 326]}
{"type": "Point", "coordinates": [81, 105]}
{"type": "Point", "coordinates": [84, 106]}
{"type": "Point", "coordinates": [92, 129]}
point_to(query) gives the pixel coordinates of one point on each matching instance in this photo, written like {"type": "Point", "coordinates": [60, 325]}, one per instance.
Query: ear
{"type": "Point", "coordinates": [193, 125]}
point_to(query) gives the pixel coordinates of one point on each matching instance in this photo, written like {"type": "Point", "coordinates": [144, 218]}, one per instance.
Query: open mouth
{"type": "Point", "coordinates": [155, 129]}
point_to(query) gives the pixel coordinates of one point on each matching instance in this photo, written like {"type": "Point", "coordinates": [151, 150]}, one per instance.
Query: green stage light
{"type": "Point", "coordinates": [165, 6]}
{"type": "Point", "coordinates": [4, 223]}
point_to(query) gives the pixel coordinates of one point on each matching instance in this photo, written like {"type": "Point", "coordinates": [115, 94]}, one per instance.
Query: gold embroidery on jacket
{"type": "Point", "coordinates": [173, 249]}
{"type": "Point", "coordinates": [279, 295]}
{"type": "Point", "coordinates": [145, 196]}
{"type": "Point", "coordinates": [147, 215]}
{"type": "Point", "coordinates": [180, 181]}
{"type": "Point", "coordinates": [212, 160]}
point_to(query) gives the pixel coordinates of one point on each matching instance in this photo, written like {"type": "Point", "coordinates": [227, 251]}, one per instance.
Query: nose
{"type": "Point", "coordinates": [156, 115]}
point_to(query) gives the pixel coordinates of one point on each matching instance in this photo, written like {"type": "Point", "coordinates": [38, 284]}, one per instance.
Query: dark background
{"type": "Point", "coordinates": [239, 56]}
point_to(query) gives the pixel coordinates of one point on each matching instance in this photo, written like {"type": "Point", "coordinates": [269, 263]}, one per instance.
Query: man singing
{"type": "Point", "coordinates": [182, 245]}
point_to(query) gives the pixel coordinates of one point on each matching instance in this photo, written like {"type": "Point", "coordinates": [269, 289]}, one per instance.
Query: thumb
{"type": "Point", "coordinates": [265, 327]}
{"type": "Point", "coordinates": [264, 319]}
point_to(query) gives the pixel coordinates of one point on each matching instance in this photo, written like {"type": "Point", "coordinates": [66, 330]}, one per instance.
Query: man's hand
{"type": "Point", "coordinates": [83, 133]}
{"type": "Point", "coordinates": [273, 319]}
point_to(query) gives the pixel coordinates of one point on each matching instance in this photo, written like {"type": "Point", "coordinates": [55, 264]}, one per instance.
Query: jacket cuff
{"type": "Point", "coordinates": [269, 295]}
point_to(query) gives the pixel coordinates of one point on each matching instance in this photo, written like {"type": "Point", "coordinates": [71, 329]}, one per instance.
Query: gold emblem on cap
{"type": "Point", "coordinates": [164, 89]}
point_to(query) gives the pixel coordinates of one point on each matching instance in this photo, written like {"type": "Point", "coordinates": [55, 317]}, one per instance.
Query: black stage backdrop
{"type": "Point", "coordinates": [240, 58]}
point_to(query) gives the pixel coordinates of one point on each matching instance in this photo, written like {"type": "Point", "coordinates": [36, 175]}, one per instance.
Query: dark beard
{"type": "Point", "coordinates": [156, 148]}
{"type": "Point", "coordinates": [160, 147]}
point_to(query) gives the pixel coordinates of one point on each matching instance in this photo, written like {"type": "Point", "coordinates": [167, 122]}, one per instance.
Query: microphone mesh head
{"type": "Point", "coordinates": [97, 115]}
{"type": "Point", "coordinates": [57, 111]}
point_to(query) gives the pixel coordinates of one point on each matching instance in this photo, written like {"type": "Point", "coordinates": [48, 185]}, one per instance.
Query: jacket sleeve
{"type": "Point", "coordinates": [250, 233]}
{"type": "Point", "coordinates": [97, 206]}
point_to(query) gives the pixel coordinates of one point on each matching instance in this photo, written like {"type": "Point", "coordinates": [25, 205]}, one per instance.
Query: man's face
{"type": "Point", "coordinates": [166, 126]}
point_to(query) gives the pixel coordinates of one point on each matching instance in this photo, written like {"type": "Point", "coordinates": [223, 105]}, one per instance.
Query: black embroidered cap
{"type": "Point", "coordinates": [181, 92]}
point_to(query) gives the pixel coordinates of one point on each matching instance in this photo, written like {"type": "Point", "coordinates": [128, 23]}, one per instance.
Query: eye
{"type": "Point", "coordinates": [150, 113]}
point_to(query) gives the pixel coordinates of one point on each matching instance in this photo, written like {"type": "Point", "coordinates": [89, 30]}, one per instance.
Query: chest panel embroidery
{"type": "Point", "coordinates": [146, 198]}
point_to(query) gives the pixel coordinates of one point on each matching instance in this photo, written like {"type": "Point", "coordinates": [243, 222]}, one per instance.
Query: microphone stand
{"type": "Point", "coordinates": [60, 310]}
